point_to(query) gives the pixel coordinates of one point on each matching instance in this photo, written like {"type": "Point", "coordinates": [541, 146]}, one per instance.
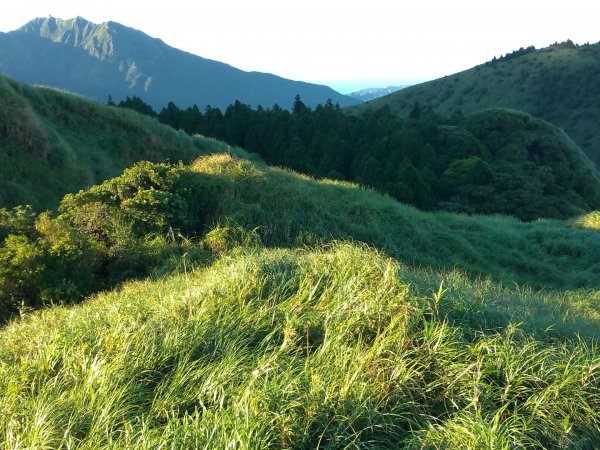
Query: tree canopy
{"type": "Point", "coordinates": [495, 161]}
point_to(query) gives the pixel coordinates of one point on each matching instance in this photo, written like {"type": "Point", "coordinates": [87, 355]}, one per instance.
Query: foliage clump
{"type": "Point", "coordinates": [123, 228]}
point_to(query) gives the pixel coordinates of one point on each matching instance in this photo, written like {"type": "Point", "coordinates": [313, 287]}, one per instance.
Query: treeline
{"type": "Point", "coordinates": [531, 49]}
{"type": "Point", "coordinates": [515, 54]}
{"type": "Point", "coordinates": [493, 162]}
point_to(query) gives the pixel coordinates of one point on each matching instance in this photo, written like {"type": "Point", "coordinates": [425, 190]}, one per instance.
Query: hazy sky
{"type": "Point", "coordinates": [346, 44]}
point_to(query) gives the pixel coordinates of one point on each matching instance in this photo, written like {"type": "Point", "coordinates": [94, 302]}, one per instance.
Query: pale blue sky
{"type": "Point", "coordinates": [346, 44]}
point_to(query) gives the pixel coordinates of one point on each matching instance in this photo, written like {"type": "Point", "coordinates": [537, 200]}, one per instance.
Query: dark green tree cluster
{"type": "Point", "coordinates": [496, 161]}
{"type": "Point", "coordinates": [515, 54]}
{"type": "Point", "coordinates": [135, 103]}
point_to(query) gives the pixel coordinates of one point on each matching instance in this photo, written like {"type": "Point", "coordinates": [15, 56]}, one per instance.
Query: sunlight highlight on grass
{"type": "Point", "coordinates": [590, 221]}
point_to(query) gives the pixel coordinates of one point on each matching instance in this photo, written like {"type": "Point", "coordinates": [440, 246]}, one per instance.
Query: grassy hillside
{"type": "Point", "coordinates": [558, 83]}
{"type": "Point", "coordinates": [286, 209]}
{"type": "Point", "coordinates": [227, 304]}
{"type": "Point", "coordinates": [52, 143]}
{"type": "Point", "coordinates": [332, 348]}
{"type": "Point", "coordinates": [272, 333]}
{"type": "Point", "coordinates": [496, 161]}
{"type": "Point", "coordinates": [145, 220]}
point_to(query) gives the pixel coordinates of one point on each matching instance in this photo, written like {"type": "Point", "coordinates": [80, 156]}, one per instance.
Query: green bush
{"type": "Point", "coordinates": [50, 262]}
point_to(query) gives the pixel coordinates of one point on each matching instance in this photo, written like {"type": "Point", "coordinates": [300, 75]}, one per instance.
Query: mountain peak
{"type": "Point", "coordinates": [111, 58]}
{"type": "Point", "coordinates": [52, 22]}
{"type": "Point", "coordinates": [95, 39]}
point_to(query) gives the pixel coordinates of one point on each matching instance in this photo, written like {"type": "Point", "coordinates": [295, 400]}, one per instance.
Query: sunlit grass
{"type": "Point", "coordinates": [320, 315]}
{"type": "Point", "coordinates": [334, 348]}
{"type": "Point", "coordinates": [287, 209]}
{"type": "Point", "coordinates": [590, 221]}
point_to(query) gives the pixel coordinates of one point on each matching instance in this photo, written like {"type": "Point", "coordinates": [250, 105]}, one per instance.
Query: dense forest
{"type": "Point", "coordinates": [496, 161]}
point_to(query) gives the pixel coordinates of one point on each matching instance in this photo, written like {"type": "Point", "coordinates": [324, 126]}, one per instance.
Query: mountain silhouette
{"type": "Point", "coordinates": [98, 60]}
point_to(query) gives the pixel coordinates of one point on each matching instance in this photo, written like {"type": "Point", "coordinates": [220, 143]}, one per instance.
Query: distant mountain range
{"type": "Point", "coordinates": [364, 95]}
{"type": "Point", "coordinates": [98, 60]}
{"type": "Point", "coordinates": [559, 83]}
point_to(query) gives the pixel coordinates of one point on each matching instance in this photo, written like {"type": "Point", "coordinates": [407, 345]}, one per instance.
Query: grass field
{"type": "Point", "coordinates": [327, 316]}
{"type": "Point", "coordinates": [290, 209]}
{"type": "Point", "coordinates": [334, 348]}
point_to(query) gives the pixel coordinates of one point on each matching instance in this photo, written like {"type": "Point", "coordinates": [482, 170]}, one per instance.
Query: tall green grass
{"type": "Point", "coordinates": [287, 209]}
{"type": "Point", "coordinates": [338, 347]}
{"type": "Point", "coordinates": [315, 314]}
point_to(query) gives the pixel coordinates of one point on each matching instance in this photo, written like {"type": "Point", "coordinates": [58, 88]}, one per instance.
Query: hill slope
{"type": "Point", "coordinates": [495, 161]}
{"type": "Point", "coordinates": [52, 143]}
{"type": "Point", "coordinates": [147, 219]}
{"type": "Point", "coordinates": [98, 60]}
{"type": "Point", "coordinates": [332, 345]}
{"type": "Point", "coordinates": [558, 83]}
